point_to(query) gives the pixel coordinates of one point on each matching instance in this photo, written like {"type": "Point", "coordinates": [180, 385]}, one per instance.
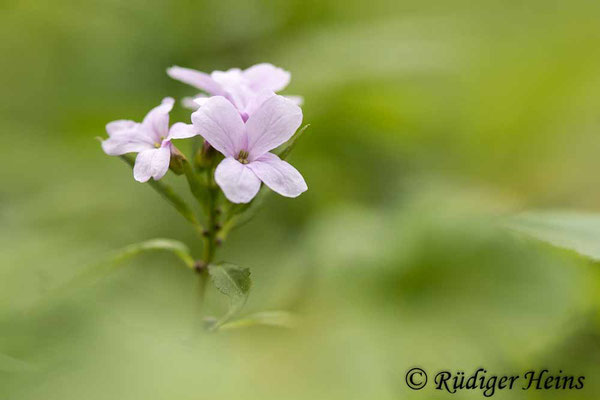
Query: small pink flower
{"type": "Point", "coordinates": [246, 89]}
{"type": "Point", "coordinates": [246, 146]}
{"type": "Point", "coordinates": [151, 139]}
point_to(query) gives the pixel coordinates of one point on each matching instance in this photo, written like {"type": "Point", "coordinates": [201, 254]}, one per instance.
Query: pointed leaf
{"type": "Point", "coordinates": [104, 267]}
{"type": "Point", "coordinates": [176, 247]}
{"type": "Point", "coordinates": [11, 364]}
{"type": "Point", "coordinates": [231, 280]}
{"type": "Point", "coordinates": [571, 230]}
{"type": "Point", "coordinates": [280, 319]}
{"type": "Point", "coordinates": [91, 274]}
{"type": "Point", "coordinates": [289, 146]}
{"type": "Point", "coordinates": [234, 282]}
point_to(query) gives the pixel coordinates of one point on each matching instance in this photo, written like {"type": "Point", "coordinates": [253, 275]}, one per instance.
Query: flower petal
{"type": "Point", "coordinates": [180, 130]}
{"type": "Point", "coordinates": [153, 163]}
{"type": "Point", "coordinates": [124, 136]}
{"type": "Point", "coordinates": [297, 100]}
{"type": "Point", "coordinates": [237, 181]}
{"type": "Point", "coordinates": [198, 79]}
{"type": "Point", "coordinates": [236, 87]}
{"type": "Point", "coordinates": [189, 103]}
{"type": "Point", "coordinates": [267, 76]}
{"type": "Point", "coordinates": [126, 142]}
{"type": "Point", "coordinates": [156, 123]}
{"type": "Point", "coordinates": [272, 124]}
{"type": "Point", "coordinates": [241, 96]}
{"type": "Point", "coordinates": [120, 126]}
{"type": "Point", "coordinates": [220, 124]}
{"type": "Point", "coordinates": [256, 101]}
{"type": "Point", "coordinates": [227, 79]}
{"type": "Point", "coordinates": [194, 103]}
{"type": "Point", "coordinates": [277, 174]}
{"type": "Point", "coordinates": [200, 100]}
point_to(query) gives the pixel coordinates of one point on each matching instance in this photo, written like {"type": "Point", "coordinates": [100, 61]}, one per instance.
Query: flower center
{"type": "Point", "coordinates": [158, 144]}
{"type": "Point", "coordinates": [243, 157]}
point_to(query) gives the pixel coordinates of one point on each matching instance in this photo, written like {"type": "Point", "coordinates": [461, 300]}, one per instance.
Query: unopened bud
{"type": "Point", "coordinates": [205, 156]}
{"type": "Point", "coordinates": [176, 162]}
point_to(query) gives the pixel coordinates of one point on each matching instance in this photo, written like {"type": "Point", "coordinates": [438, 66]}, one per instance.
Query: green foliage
{"type": "Point", "coordinates": [289, 146]}
{"type": "Point", "coordinates": [280, 319]}
{"type": "Point", "coordinates": [99, 270]}
{"type": "Point", "coordinates": [11, 364]}
{"type": "Point", "coordinates": [577, 231]}
{"type": "Point", "coordinates": [414, 106]}
{"type": "Point", "coordinates": [177, 248]}
{"type": "Point", "coordinates": [234, 282]}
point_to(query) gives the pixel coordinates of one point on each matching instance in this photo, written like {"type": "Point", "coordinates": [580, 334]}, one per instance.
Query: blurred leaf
{"type": "Point", "coordinates": [234, 282]}
{"type": "Point", "coordinates": [11, 364]}
{"type": "Point", "coordinates": [176, 247]}
{"type": "Point", "coordinates": [289, 146]}
{"type": "Point", "coordinates": [571, 230]}
{"type": "Point", "coordinates": [282, 319]}
{"type": "Point", "coordinates": [103, 267]}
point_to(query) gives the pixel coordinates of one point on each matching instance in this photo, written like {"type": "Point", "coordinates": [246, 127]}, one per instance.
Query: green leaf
{"type": "Point", "coordinates": [289, 146]}
{"type": "Point", "coordinates": [231, 280]}
{"type": "Point", "coordinates": [105, 266]}
{"type": "Point", "coordinates": [93, 273]}
{"type": "Point", "coordinates": [176, 247]}
{"type": "Point", "coordinates": [234, 282]}
{"type": "Point", "coordinates": [280, 319]}
{"type": "Point", "coordinates": [11, 364]}
{"type": "Point", "coordinates": [571, 230]}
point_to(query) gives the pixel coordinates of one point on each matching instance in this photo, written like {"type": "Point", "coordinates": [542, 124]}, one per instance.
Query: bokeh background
{"type": "Point", "coordinates": [430, 122]}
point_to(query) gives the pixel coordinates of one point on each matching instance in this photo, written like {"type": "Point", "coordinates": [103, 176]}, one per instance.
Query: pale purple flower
{"type": "Point", "coordinates": [151, 139]}
{"type": "Point", "coordinates": [246, 89]}
{"type": "Point", "coordinates": [246, 146]}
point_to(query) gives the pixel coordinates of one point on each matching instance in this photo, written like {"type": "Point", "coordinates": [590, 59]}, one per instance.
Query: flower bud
{"type": "Point", "coordinates": [205, 156]}
{"type": "Point", "coordinates": [176, 162]}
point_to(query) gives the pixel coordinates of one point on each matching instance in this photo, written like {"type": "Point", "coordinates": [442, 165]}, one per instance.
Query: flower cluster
{"type": "Point", "coordinates": [239, 114]}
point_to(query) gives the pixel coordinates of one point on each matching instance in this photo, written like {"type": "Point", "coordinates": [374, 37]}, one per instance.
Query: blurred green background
{"type": "Point", "coordinates": [430, 121]}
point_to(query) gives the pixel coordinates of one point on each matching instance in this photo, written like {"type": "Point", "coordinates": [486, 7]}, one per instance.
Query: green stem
{"type": "Point", "coordinates": [210, 234]}
{"type": "Point", "coordinates": [169, 194]}
{"type": "Point", "coordinates": [203, 276]}
{"type": "Point", "coordinates": [210, 247]}
{"type": "Point", "coordinates": [196, 186]}
{"type": "Point", "coordinates": [239, 214]}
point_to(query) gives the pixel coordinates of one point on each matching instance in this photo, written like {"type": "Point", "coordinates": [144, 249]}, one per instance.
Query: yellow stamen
{"type": "Point", "coordinates": [243, 157]}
